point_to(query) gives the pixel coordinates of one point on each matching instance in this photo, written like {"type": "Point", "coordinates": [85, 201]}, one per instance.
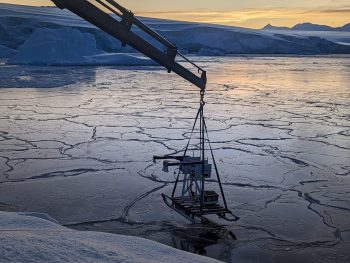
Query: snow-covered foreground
{"type": "Point", "coordinates": [77, 143]}
{"type": "Point", "coordinates": [28, 238]}
{"type": "Point", "coordinates": [50, 36]}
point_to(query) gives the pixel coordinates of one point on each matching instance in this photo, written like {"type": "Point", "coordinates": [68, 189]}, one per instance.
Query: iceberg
{"type": "Point", "coordinates": [56, 47]}
{"type": "Point", "coordinates": [67, 47]}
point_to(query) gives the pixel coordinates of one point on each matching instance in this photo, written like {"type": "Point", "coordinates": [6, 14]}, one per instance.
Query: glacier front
{"type": "Point", "coordinates": [50, 36]}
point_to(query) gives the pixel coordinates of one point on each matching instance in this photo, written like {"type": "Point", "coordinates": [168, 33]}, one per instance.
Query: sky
{"type": "Point", "coordinates": [245, 13]}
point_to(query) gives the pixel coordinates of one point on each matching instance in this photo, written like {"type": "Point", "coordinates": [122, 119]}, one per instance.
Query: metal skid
{"type": "Point", "coordinates": [189, 197]}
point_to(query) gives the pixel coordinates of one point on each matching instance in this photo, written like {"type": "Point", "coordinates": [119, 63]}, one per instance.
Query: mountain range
{"type": "Point", "coordinates": [310, 27]}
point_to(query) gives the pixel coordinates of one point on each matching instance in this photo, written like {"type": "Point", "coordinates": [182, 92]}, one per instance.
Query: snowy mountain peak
{"type": "Point", "coordinates": [346, 27]}
{"type": "Point", "coordinates": [271, 27]}
{"type": "Point", "coordinates": [312, 27]}
{"type": "Point", "coordinates": [309, 27]}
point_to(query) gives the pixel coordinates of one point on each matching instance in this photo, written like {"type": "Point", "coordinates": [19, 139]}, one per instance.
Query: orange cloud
{"type": "Point", "coordinates": [253, 18]}
{"type": "Point", "coordinates": [257, 18]}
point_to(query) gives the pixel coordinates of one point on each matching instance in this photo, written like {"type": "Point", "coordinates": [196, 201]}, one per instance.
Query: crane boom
{"type": "Point", "coordinates": [121, 30]}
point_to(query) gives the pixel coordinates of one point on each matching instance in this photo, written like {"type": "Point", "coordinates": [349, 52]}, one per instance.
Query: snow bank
{"type": "Point", "coordinates": [25, 238]}
{"type": "Point", "coordinates": [68, 46]}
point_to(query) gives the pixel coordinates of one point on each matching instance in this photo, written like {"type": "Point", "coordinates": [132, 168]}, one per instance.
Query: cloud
{"type": "Point", "coordinates": [257, 18]}
{"type": "Point", "coordinates": [337, 11]}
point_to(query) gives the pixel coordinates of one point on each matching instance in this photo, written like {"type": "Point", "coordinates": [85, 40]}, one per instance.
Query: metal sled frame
{"type": "Point", "coordinates": [193, 213]}
{"type": "Point", "coordinates": [193, 207]}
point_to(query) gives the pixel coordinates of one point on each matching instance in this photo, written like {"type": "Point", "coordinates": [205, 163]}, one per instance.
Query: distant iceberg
{"type": "Point", "coordinates": [69, 46]}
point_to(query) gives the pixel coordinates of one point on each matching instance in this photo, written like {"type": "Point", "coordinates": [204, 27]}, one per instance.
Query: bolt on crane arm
{"type": "Point", "coordinates": [121, 30]}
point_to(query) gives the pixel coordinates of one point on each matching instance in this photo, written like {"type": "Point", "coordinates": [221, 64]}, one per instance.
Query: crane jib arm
{"type": "Point", "coordinates": [121, 30]}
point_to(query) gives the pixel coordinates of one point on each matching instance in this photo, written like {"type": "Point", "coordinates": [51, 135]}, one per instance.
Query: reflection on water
{"type": "Point", "coordinates": [12, 76]}
{"type": "Point", "coordinates": [210, 240]}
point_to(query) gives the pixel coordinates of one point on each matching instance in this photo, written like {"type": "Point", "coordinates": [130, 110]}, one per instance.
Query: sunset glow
{"type": "Point", "coordinates": [253, 14]}
{"type": "Point", "coordinates": [255, 18]}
